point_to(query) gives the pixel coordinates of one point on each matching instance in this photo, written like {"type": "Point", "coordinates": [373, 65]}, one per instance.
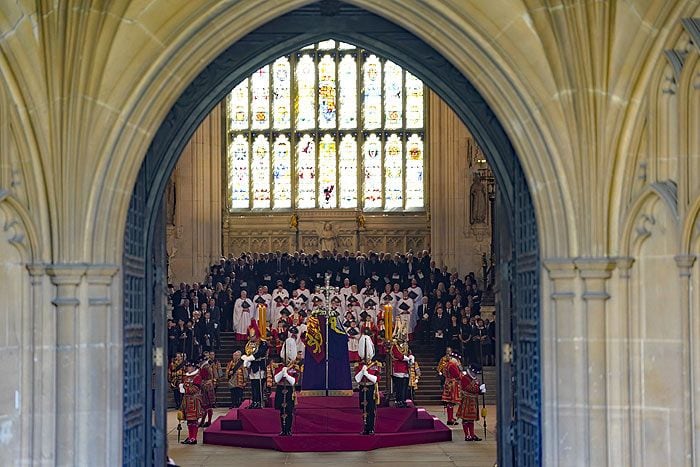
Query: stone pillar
{"type": "Point", "coordinates": [595, 273]}
{"type": "Point", "coordinates": [691, 351]}
{"type": "Point", "coordinates": [66, 278]}
{"type": "Point", "coordinates": [101, 376]}
{"type": "Point", "coordinates": [198, 203]}
{"type": "Point", "coordinates": [43, 413]}
{"type": "Point", "coordinates": [567, 395]}
{"type": "Point", "coordinates": [618, 361]}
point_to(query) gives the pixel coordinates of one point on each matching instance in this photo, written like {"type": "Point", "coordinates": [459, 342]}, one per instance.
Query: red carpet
{"type": "Point", "coordinates": [326, 424]}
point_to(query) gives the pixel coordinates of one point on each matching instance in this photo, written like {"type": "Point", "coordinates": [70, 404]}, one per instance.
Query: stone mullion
{"type": "Point", "coordinates": [691, 356]}
{"type": "Point", "coordinates": [595, 273]}
{"type": "Point", "coordinates": [66, 279]}
{"type": "Point", "coordinates": [568, 373]}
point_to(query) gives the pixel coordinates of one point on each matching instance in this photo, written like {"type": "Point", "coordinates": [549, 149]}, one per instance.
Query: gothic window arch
{"type": "Point", "coordinates": [328, 126]}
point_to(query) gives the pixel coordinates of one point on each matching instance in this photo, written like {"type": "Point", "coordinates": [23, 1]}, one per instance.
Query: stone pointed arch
{"type": "Point", "coordinates": [281, 36]}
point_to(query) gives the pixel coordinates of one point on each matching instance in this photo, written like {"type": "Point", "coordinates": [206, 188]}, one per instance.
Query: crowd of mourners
{"type": "Point", "coordinates": [435, 306]}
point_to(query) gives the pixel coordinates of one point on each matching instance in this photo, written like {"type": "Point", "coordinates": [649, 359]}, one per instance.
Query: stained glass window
{"type": "Point", "coordinates": [326, 92]}
{"type": "Point", "coordinates": [414, 172]}
{"type": "Point", "coordinates": [238, 107]}
{"type": "Point", "coordinates": [306, 172]}
{"type": "Point", "coordinates": [393, 172]}
{"type": "Point", "coordinates": [238, 177]}
{"type": "Point", "coordinates": [393, 96]}
{"type": "Point", "coordinates": [372, 161]}
{"type": "Point", "coordinates": [261, 172]}
{"type": "Point", "coordinates": [327, 182]}
{"type": "Point", "coordinates": [372, 92]}
{"type": "Point", "coordinates": [347, 166]}
{"type": "Point", "coordinates": [347, 79]}
{"type": "Point", "coordinates": [282, 173]}
{"type": "Point", "coordinates": [329, 126]}
{"type": "Point", "coordinates": [414, 102]}
{"type": "Point", "coordinates": [260, 90]}
{"type": "Point", "coordinates": [306, 91]}
{"type": "Point", "coordinates": [281, 94]}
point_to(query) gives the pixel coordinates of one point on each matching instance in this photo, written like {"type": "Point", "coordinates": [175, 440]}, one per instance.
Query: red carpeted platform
{"type": "Point", "coordinates": [326, 424]}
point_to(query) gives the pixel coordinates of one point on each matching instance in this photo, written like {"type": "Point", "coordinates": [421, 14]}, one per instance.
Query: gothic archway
{"type": "Point", "coordinates": [519, 438]}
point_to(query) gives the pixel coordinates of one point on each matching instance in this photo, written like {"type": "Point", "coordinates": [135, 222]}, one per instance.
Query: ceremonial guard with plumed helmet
{"type": "Point", "coordinates": [255, 360]}
{"type": "Point", "coordinates": [285, 375]}
{"type": "Point", "coordinates": [367, 373]}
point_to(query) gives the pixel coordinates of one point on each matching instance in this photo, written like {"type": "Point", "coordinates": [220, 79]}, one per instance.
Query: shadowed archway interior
{"type": "Point", "coordinates": [518, 289]}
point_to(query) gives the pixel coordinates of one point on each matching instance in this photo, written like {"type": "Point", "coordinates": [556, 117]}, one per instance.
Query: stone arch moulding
{"type": "Point", "coordinates": [284, 35]}
{"type": "Point", "coordinates": [19, 227]}
{"type": "Point", "coordinates": [640, 220]}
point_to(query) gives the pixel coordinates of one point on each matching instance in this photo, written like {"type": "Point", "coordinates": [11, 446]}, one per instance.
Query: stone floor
{"type": "Point", "coordinates": [455, 453]}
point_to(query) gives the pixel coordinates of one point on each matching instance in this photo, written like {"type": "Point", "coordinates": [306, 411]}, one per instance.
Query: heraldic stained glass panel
{"type": "Point", "coordinates": [282, 173]}
{"type": "Point", "coordinates": [281, 94]}
{"type": "Point", "coordinates": [372, 160]}
{"type": "Point", "coordinates": [306, 91]}
{"type": "Point", "coordinates": [372, 93]}
{"type": "Point", "coordinates": [306, 172]}
{"type": "Point", "coordinates": [238, 107]}
{"type": "Point", "coordinates": [393, 96]}
{"type": "Point", "coordinates": [347, 100]}
{"type": "Point", "coordinates": [260, 97]}
{"type": "Point", "coordinates": [393, 172]}
{"type": "Point", "coordinates": [326, 92]}
{"type": "Point", "coordinates": [414, 172]}
{"type": "Point", "coordinates": [239, 180]}
{"type": "Point", "coordinates": [348, 167]}
{"type": "Point", "coordinates": [329, 126]}
{"type": "Point", "coordinates": [261, 172]}
{"type": "Point", "coordinates": [327, 172]}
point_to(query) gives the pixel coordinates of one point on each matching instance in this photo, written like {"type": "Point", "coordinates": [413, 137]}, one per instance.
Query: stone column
{"type": "Point", "coordinates": [66, 278]}
{"type": "Point", "coordinates": [43, 413]}
{"type": "Point", "coordinates": [595, 273]}
{"type": "Point", "coordinates": [618, 364]}
{"type": "Point", "coordinates": [566, 434]}
{"type": "Point", "coordinates": [100, 365]}
{"type": "Point", "coordinates": [691, 357]}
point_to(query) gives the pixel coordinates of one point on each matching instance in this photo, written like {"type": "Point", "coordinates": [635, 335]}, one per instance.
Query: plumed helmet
{"type": "Point", "coordinates": [253, 329]}
{"type": "Point", "coordinates": [289, 350]}
{"type": "Point", "coordinates": [366, 348]}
